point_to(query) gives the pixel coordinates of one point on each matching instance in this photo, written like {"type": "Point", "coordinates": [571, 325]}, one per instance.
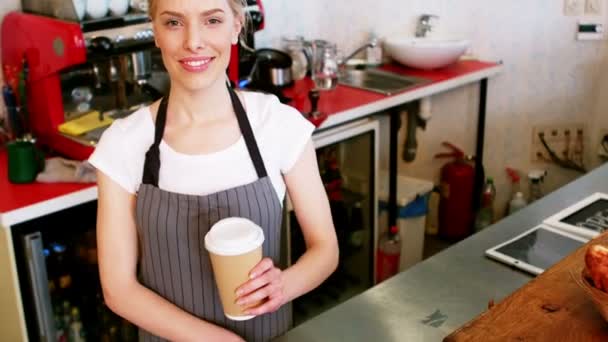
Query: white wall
{"type": "Point", "coordinates": [548, 78]}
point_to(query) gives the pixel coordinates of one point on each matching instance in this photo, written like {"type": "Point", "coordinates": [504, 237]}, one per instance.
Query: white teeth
{"type": "Point", "coordinates": [197, 63]}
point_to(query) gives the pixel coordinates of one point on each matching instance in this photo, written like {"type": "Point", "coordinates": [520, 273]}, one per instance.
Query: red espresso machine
{"type": "Point", "coordinates": [113, 61]}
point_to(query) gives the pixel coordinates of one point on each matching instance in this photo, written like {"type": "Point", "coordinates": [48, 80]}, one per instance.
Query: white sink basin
{"type": "Point", "coordinates": [425, 53]}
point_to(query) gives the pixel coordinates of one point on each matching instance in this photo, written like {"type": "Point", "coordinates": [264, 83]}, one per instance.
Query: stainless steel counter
{"type": "Point", "coordinates": [432, 299]}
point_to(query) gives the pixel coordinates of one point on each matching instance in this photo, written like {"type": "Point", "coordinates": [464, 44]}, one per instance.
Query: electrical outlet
{"type": "Point", "coordinates": [593, 7]}
{"type": "Point", "coordinates": [574, 7]}
{"type": "Point", "coordinates": [560, 138]}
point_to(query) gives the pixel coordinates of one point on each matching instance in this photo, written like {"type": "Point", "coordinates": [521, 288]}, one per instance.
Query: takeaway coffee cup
{"type": "Point", "coordinates": [235, 247]}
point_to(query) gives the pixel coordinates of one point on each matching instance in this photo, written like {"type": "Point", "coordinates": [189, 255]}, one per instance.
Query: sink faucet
{"type": "Point", "coordinates": [371, 44]}
{"type": "Point", "coordinates": [425, 25]}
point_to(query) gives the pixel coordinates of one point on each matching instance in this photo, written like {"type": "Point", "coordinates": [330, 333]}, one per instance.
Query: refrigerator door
{"type": "Point", "coordinates": [38, 281]}
{"type": "Point", "coordinates": [348, 164]}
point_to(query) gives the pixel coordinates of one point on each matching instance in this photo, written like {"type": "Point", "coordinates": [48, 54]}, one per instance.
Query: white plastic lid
{"type": "Point", "coordinates": [233, 236]}
{"type": "Point", "coordinates": [408, 188]}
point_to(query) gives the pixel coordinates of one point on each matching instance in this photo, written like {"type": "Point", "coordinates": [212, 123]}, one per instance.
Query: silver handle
{"type": "Point", "coordinates": [39, 286]}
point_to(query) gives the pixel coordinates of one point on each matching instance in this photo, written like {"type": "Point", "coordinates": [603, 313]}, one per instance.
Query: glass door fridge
{"type": "Point", "coordinates": [56, 259]}
{"type": "Point", "coordinates": [348, 164]}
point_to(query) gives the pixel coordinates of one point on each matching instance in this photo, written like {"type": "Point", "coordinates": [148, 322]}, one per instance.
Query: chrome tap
{"type": "Point", "coordinates": [425, 25]}
{"type": "Point", "coordinates": [371, 44]}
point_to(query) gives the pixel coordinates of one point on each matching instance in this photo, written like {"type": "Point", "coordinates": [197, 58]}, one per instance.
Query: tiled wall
{"type": "Point", "coordinates": [548, 76]}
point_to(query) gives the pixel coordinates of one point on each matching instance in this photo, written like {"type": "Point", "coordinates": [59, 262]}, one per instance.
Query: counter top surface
{"type": "Point", "coordinates": [440, 294]}
{"type": "Point", "coordinates": [19, 203]}
{"type": "Point", "coordinates": [345, 103]}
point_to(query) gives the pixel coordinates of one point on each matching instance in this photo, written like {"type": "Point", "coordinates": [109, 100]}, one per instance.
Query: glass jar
{"type": "Point", "coordinates": [324, 71]}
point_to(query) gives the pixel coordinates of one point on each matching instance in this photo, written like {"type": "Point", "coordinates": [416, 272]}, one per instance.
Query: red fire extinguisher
{"type": "Point", "coordinates": [456, 203]}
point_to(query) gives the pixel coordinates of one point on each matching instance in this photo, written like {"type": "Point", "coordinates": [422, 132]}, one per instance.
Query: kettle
{"type": "Point", "coordinates": [271, 68]}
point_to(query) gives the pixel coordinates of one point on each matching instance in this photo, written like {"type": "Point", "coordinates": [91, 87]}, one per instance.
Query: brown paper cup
{"type": "Point", "coordinates": [235, 247]}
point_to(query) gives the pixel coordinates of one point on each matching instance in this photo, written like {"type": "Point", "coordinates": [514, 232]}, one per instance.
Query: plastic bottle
{"type": "Point", "coordinates": [517, 202]}
{"type": "Point", "coordinates": [485, 216]}
{"type": "Point", "coordinates": [76, 331]}
{"type": "Point", "coordinates": [536, 178]}
{"type": "Point", "coordinates": [389, 252]}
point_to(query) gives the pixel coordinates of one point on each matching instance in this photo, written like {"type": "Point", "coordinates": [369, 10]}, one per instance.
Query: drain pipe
{"type": "Point", "coordinates": [418, 113]}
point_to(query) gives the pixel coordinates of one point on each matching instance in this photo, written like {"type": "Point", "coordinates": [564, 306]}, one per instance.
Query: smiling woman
{"type": "Point", "coordinates": [196, 44]}
{"type": "Point", "coordinates": [206, 152]}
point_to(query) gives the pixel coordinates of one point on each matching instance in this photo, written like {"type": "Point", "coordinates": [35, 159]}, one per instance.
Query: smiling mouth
{"type": "Point", "coordinates": [197, 63]}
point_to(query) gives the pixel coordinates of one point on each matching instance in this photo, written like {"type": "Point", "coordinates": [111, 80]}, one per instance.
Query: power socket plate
{"type": "Point", "coordinates": [560, 138]}
{"type": "Point", "coordinates": [593, 7]}
{"type": "Point", "coordinates": [574, 7]}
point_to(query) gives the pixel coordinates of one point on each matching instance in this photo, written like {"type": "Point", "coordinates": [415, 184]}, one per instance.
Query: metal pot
{"type": "Point", "coordinates": [272, 67]}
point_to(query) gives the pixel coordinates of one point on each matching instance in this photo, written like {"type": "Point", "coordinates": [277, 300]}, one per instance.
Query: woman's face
{"type": "Point", "coordinates": [195, 38]}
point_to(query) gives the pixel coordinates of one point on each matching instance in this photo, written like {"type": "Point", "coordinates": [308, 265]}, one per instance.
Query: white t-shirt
{"type": "Point", "coordinates": [281, 133]}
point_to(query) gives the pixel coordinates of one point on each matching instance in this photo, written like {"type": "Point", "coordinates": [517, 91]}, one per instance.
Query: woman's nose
{"type": "Point", "coordinates": [194, 40]}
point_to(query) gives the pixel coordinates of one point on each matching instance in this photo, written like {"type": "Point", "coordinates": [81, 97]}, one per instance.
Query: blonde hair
{"type": "Point", "coordinates": [237, 6]}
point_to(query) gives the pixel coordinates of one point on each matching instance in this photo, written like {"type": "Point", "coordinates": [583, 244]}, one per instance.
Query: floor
{"type": "Point", "coordinates": [433, 245]}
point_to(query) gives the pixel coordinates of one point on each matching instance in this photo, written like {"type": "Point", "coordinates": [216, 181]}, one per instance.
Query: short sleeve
{"type": "Point", "coordinates": [110, 157]}
{"type": "Point", "coordinates": [292, 132]}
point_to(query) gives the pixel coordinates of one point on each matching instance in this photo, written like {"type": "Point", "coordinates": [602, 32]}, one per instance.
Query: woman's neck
{"type": "Point", "coordinates": [210, 104]}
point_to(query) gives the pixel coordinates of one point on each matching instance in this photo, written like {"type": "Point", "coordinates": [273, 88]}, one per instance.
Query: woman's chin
{"type": "Point", "coordinates": [197, 84]}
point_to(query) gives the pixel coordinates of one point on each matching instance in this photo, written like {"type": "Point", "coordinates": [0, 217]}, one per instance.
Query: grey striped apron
{"type": "Point", "coordinates": [172, 226]}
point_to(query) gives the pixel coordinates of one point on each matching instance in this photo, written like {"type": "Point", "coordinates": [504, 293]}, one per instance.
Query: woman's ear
{"type": "Point", "coordinates": [238, 26]}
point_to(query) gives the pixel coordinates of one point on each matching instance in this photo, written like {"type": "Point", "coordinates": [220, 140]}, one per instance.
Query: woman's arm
{"type": "Point", "coordinates": [117, 245]}
{"type": "Point", "coordinates": [311, 206]}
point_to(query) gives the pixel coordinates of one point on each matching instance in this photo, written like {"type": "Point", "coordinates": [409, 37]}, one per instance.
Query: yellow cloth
{"type": "Point", "coordinates": [84, 124]}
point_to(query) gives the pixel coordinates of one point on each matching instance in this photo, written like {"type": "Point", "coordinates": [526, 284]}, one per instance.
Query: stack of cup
{"type": "Point", "coordinates": [235, 248]}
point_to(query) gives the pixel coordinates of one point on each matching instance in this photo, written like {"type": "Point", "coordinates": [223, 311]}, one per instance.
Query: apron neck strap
{"type": "Point", "coordinates": [247, 132]}
{"type": "Point", "coordinates": [152, 161]}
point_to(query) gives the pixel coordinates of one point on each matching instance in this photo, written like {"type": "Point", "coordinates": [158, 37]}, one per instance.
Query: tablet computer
{"type": "Point", "coordinates": [536, 249]}
{"type": "Point", "coordinates": [587, 218]}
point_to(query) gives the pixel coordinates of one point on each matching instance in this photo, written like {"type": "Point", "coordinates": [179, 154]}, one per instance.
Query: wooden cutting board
{"type": "Point", "coordinates": [551, 307]}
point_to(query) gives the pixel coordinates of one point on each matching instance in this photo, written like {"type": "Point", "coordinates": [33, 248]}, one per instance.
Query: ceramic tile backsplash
{"type": "Point", "coordinates": [548, 77]}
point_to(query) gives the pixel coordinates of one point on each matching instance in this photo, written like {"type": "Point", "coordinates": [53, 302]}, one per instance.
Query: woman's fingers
{"type": "Point", "coordinates": [262, 266]}
{"type": "Point", "coordinates": [272, 305]}
{"type": "Point", "coordinates": [258, 282]}
{"type": "Point", "coordinates": [259, 295]}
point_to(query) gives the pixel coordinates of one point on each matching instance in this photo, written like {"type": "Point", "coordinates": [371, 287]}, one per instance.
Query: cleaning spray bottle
{"type": "Point", "coordinates": [518, 200]}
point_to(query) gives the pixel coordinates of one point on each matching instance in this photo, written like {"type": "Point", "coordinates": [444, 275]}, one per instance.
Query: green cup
{"type": "Point", "coordinates": [24, 161]}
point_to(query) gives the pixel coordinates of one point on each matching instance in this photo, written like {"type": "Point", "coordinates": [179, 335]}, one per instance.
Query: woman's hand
{"type": "Point", "coordinates": [266, 285]}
